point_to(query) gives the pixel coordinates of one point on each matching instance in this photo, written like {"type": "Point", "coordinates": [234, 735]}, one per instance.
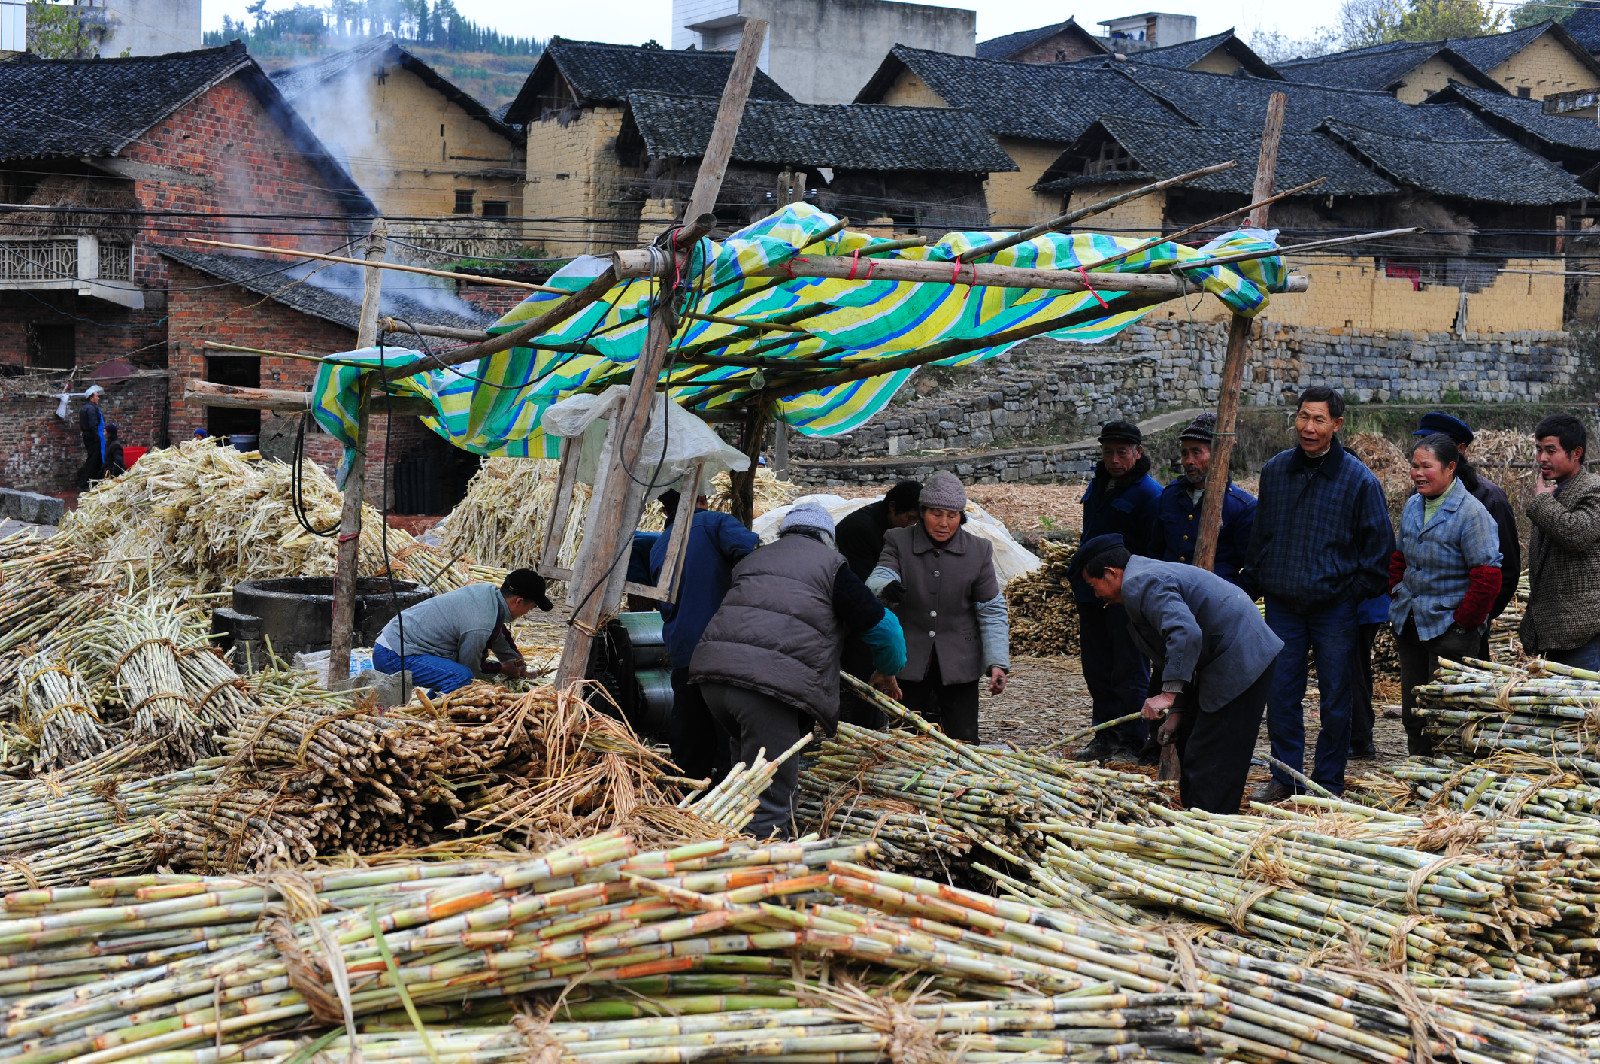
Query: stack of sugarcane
{"type": "Point", "coordinates": [58, 712]}
{"type": "Point", "coordinates": [1504, 787]}
{"type": "Point", "coordinates": [1451, 897]}
{"type": "Point", "coordinates": [1550, 710]}
{"type": "Point", "coordinates": [1044, 618]}
{"type": "Point", "coordinates": [687, 943]}
{"type": "Point", "coordinates": [1504, 641]}
{"type": "Point", "coordinates": [198, 518]}
{"type": "Point", "coordinates": [43, 586]}
{"type": "Point", "coordinates": [769, 492]}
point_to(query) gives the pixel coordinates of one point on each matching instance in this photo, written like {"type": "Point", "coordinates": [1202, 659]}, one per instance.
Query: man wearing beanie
{"type": "Point", "coordinates": [1177, 531]}
{"type": "Point", "coordinates": [768, 664]}
{"type": "Point", "coordinates": [1121, 499]}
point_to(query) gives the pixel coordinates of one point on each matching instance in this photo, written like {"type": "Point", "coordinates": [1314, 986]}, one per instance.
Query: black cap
{"type": "Point", "coordinates": [1453, 427]}
{"type": "Point", "coordinates": [1092, 549]}
{"type": "Point", "coordinates": [527, 584]}
{"type": "Point", "coordinates": [1121, 432]}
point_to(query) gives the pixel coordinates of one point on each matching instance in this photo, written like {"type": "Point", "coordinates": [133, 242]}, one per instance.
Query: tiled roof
{"type": "Point", "coordinates": [1220, 101]}
{"type": "Point", "coordinates": [1379, 67]}
{"type": "Point", "coordinates": [297, 81]}
{"type": "Point", "coordinates": [1512, 114]}
{"type": "Point", "coordinates": [1488, 52]}
{"type": "Point", "coordinates": [1190, 52]}
{"type": "Point", "coordinates": [848, 136]}
{"type": "Point", "coordinates": [1009, 45]}
{"type": "Point", "coordinates": [334, 293]}
{"type": "Point", "coordinates": [1584, 27]}
{"type": "Point", "coordinates": [1050, 102]}
{"type": "Point", "coordinates": [1164, 150]}
{"type": "Point", "coordinates": [56, 108]}
{"type": "Point", "coordinates": [1469, 161]}
{"type": "Point", "coordinates": [607, 73]}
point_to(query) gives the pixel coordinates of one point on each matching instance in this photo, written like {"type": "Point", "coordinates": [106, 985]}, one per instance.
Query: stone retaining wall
{"type": "Point", "coordinates": [1021, 406]}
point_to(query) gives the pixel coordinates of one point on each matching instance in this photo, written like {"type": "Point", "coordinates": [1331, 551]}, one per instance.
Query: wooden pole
{"type": "Point", "coordinates": [601, 569]}
{"type": "Point", "coordinates": [289, 253]}
{"type": "Point", "coordinates": [1205, 554]}
{"type": "Point", "coordinates": [348, 568]}
{"type": "Point", "coordinates": [742, 485]}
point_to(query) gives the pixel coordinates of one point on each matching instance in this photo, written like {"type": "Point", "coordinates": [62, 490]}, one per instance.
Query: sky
{"type": "Point", "coordinates": [637, 21]}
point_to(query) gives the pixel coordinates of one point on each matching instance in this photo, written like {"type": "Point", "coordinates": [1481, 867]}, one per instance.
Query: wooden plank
{"type": "Point", "coordinates": [349, 559]}
{"type": "Point", "coordinates": [281, 400]}
{"type": "Point", "coordinates": [1205, 554]}
{"type": "Point", "coordinates": [719, 149]}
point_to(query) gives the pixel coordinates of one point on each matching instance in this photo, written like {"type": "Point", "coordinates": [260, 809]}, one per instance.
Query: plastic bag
{"type": "Point", "coordinates": [676, 439]}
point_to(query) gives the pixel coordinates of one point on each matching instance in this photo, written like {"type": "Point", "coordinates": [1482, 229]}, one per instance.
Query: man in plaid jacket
{"type": "Point", "coordinates": [1320, 546]}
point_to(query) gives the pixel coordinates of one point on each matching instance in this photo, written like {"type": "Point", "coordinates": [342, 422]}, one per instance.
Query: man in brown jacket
{"type": "Point", "coordinates": [1562, 621]}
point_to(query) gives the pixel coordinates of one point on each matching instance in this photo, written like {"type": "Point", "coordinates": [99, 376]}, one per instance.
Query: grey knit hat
{"type": "Point", "coordinates": [1201, 430]}
{"type": "Point", "coordinates": [943, 491]}
{"type": "Point", "coordinates": [807, 515]}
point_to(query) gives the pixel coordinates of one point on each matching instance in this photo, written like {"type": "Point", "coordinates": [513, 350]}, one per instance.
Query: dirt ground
{"type": "Point", "coordinates": [1047, 700]}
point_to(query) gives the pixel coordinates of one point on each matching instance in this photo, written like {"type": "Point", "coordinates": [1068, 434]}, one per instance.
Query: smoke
{"type": "Point", "coordinates": [404, 295]}
{"type": "Point", "coordinates": [341, 112]}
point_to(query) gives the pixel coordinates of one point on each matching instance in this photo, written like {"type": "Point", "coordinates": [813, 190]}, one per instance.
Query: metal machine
{"type": "Point", "coordinates": [629, 660]}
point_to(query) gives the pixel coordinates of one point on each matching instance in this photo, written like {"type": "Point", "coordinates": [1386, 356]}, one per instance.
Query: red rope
{"type": "Point", "coordinates": [346, 537]}
{"type": "Point", "coordinates": [855, 261]}
{"type": "Point", "coordinates": [1087, 287]}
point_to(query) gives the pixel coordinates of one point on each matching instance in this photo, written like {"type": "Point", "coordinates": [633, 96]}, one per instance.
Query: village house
{"type": "Point", "coordinates": [1534, 63]}
{"type": "Point", "coordinates": [1220, 53]}
{"type": "Point", "coordinates": [416, 144]}
{"type": "Point", "coordinates": [571, 108]}
{"type": "Point", "coordinates": [110, 160]}
{"type": "Point", "coordinates": [1062, 42]}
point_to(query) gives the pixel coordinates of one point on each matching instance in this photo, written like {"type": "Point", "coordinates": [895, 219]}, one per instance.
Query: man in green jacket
{"type": "Point", "coordinates": [1562, 621]}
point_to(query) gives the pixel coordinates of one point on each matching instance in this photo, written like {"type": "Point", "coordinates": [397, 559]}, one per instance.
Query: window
{"type": "Point", "coordinates": [463, 201]}
{"type": "Point", "coordinates": [52, 346]}
{"type": "Point", "coordinates": [496, 208]}
{"type": "Point", "coordinates": [1525, 93]}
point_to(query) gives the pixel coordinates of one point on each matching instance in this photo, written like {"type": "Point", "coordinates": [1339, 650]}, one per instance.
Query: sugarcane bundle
{"type": "Point", "coordinates": [183, 970]}
{"type": "Point", "coordinates": [58, 712]}
{"type": "Point", "coordinates": [1044, 617]}
{"type": "Point", "coordinates": [1549, 710]}
{"type": "Point", "coordinates": [43, 586]}
{"type": "Point", "coordinates": [1507, 786]}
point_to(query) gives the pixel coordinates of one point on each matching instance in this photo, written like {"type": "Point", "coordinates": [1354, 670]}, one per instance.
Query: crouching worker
{"type": "Point", "coordinates": [768, 663]}
{"type": "Point", "coordinates": [448, 638]}
{"type": "Point", "coordinates": [1213, 653]}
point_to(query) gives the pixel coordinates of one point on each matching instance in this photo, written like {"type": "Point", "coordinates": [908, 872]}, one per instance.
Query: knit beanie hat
{"type": "Point", "coordinates": [807, 515]}
{"type": "Point", "coordinates": [943, 491]}
{"type": "Point", "coordinates": [1201, 430]}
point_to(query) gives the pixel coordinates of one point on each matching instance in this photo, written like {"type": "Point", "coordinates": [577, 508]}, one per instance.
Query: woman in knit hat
{"type": "Point", "coordinates": [940, 581]}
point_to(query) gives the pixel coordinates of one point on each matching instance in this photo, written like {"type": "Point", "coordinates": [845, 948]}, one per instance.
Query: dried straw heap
{"type": "Point", "coordinates": [1044, 617]}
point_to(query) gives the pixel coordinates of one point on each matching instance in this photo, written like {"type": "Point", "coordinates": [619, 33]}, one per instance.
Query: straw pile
{"type": "Point", "coordinates": [681, 955]}
{"type": "Point", "coordinates": [1389, 464]}
{"type": "Point", "coordinates": [770, 492]}
{"type": "Point", "coordinates": [199, 518]}
{"type": "Point", "coordinates": [1044, 618]}
{"type": "Point", "coordinates": [502, 518]}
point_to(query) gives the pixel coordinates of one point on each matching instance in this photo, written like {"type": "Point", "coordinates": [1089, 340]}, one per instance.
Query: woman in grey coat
{"type": "Point", "coordinates": [940, 580]}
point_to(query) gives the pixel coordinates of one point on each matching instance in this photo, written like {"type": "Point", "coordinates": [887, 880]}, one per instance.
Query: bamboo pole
{"type": "Point", "coordinates": [293, 254]}
{"type": "Point", "coordinates": [442, 331]}
{"type": "Point", "coordinates": [599, 576]}
{"type": "Point", "coordinates": [1064, 220]}
{"type": "Point", "coordinates": [1257, 205]}
{"type": "Point", "coordinates": [346, 573]}
{"type": "Point", "coordinates": [1205, 554]}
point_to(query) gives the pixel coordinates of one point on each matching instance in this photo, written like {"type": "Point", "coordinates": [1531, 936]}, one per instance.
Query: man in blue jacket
{"type": "Point", "coordinates": [1121, 499]}
{"type": "Point", "coordinates": [1177, 531]}
{"type": "Point", "coordinates": [717, 542]}
{"type": "Point", "coordinates": [1320, 547]}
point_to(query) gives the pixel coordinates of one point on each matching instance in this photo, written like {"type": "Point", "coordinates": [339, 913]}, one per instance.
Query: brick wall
{"type": "Point", "coordinates": [574, 173]}
{"type": "Point", "coordinates": [1140, 218]}
{"type": "Point", "coordinates": [1217, 61]}
{"type": "Point", "coordinates": [1545, 66]}
{"type": "Point", "coordinates": [1426, 79]}
{"type": "Point", "coordinates": [1057, 48]}
{"type": "Point", "coordinates": [41, 452]}
{"type": "Point", "coordinates": [495, 299]}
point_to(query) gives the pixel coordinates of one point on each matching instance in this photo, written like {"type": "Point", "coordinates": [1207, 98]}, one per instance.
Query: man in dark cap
{"type": "Point", "coordinates": [1121, 499]}
{"type": "Point", "coordinates": [1215, 656]}
{"type": "Point", "coordinates": [1177, 531]}
{"type": "Point", "coordinates": [1494, 500]}
{"type": "Point", "coordinates": [445, 641]}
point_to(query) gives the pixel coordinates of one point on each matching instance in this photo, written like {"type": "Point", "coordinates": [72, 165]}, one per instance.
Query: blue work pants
{"type": "Point", "coordinates": [427, 670]}
{"type": "Point", "coordinates": [1329, 634]}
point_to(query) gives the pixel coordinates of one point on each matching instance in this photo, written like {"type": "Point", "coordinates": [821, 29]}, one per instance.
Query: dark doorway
{"type": "Point", "coordinates": [240, 372]}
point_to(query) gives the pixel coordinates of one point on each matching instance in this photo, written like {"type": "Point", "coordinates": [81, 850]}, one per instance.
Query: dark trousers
{"type": "Point", "coordinates": [953, 707]}
{"type": "Point", "coordinates": [1215, 749]}
{"type": "Point", "coordinates": [1116, 673]}
{"type": "Point", "coordinates": [1584, 657]}
{"type": "Point", "coordinates": [1329, 633]}
{"type": "Point", "coordinates": [94, 465]}
{"type": "Point", "coordinates": [1418, 660]}
{"type": "Point", "coordinates": [857, 661]}
{"type": "Point", "coordinates": [699, 743]}
{"type": "Point", "coordinates": [1362, 716]}
{"type": "Point", "coordinates": [755, 723]}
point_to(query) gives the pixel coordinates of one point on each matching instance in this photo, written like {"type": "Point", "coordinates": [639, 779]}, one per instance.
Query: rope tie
{"type": "Point", "coordinates": [1087, 287]}
{"type": "Point", "coordinates": [1397, 941]}
{"type": "Point", "coordinates": [140, 645]}
{"type": "Point", "coordinates": [1244, 903]}
{"type": "Point", "coordinates": [1421, 875]}
{"type": "Point", "coordinates": [543, 1048]}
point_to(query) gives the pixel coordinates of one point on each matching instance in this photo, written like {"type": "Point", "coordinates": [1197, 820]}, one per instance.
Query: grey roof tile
{"type": "Point", "coordinates": [333, 293]}
{"type": "Point", "coordinates": [848, 136]}
{"type": "Point", "coordinates": [1010, 44]}
{"type": "Point", "coordinates": [1512, 113]}
{"type": "Point", "coordinates": [1191, 52]}
{"type": "Point", "coordinates": [607, 73]}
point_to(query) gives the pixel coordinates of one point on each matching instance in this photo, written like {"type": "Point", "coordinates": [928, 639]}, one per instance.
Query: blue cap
{"type": "Point", "coordinates": [1453, 427]}
{"type": "Point", "coordinates": [1092, 549]}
